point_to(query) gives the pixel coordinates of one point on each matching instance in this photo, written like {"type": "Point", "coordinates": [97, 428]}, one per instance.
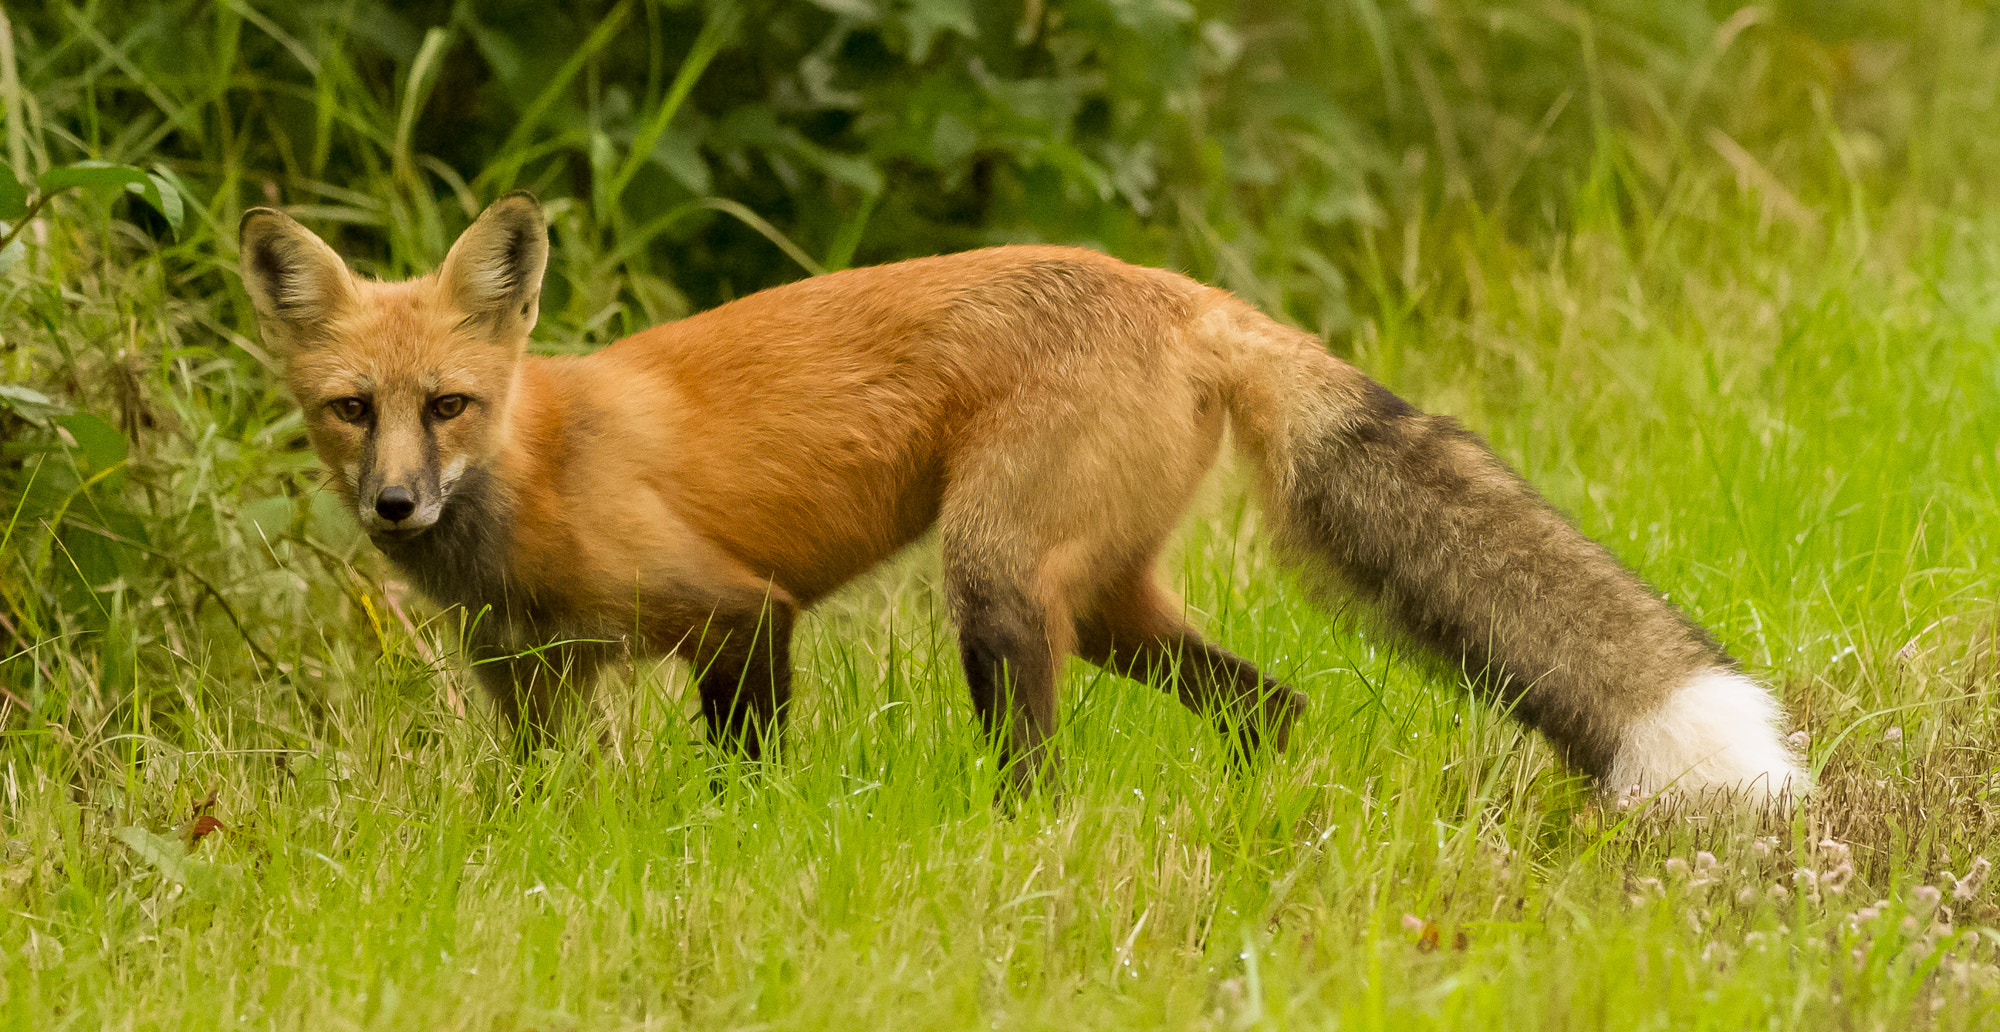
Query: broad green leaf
{"type": "Point", "coordinates": [205, 879]}
{"type": "Point", "coordinates": [30, 404]}
{"type": "Point", "coordinates": [860, 10]}
{"type": "Point", "coordinates": [757, 125]}
{"type": "Point", "coordinates": [157, 189]}
{"type": "Point", "coordinates": [853, 170]}
{"type": "Point", "coordinates": [91, 175]}
{"type": "Point", "coordinates": [952, 140]}
{"type": "Point", "coordinates": [99, 445]}
{"type": "Point", "coordinates": [721, 25]}
{"type": "Point", "coordinates": [170, 183]}
{"type": "Point", "coordinates": [331, 522]}
{"type": "Point", "coordinates": [91, 561]}
{"type": "Point", "coordinates": [269, 519]}
{"type": "Point", "coordinates": [924, 19]}
{"type": "Point", "coordinates": [165, 855]}
{"type": "Point", "coordinates": [13, 196]}
{"type": "Point", "coordinates": [125, 524]}
{"type": "Point", "coordinates": [166, 199]}
{"type": "Point", "coordinates": [680, 154]}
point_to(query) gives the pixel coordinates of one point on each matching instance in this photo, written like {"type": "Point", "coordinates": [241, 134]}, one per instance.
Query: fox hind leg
{"type": "Point", "coordinates": [1136, 631]}
{"type": "Point", "coordinates": [1059, 486]}
{"type": "Point", "coordinates": [1011, 669]}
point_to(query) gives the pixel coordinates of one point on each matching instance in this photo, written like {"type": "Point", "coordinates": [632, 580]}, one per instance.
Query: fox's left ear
{"type": "Point", "coordinates": [494, 271]}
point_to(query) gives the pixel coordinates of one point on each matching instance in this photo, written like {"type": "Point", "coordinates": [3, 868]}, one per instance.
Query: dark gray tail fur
{"type": "Point", "coordinates": [1416, 515]}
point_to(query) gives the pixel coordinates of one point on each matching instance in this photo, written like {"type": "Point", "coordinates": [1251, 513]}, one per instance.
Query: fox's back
{"type": "Point", "coordinates": [810, 429]}
{"type": "Point", "coordinates": [689, 490]}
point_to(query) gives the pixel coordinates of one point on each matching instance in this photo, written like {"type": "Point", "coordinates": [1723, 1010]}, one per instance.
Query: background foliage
{"type": "Point", "coordinates": [1717, 277]}
{"type": "Point", "coordinates": [1327, 160]}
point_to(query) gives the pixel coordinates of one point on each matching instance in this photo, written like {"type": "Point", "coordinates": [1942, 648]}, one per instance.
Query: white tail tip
{"type": "Point", "coordinates": [1716, 735]}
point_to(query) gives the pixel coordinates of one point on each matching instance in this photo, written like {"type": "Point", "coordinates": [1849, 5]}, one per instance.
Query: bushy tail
{"type": "Point", "coordinates": [1414, 514]}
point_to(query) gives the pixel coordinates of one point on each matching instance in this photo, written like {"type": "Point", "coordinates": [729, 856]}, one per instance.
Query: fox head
{"type": "Point", "coordinates": [404, 385]}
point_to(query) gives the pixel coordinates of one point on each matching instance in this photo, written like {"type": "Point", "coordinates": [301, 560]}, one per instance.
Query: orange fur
{"type": "Point", "coordinates": [1050, 410]}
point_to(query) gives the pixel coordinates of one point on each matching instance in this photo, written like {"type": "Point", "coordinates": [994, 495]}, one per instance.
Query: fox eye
{"type": "Point", "coordinates": [350, 410]}
{"type": "Point", "coordinates": [448, 405]}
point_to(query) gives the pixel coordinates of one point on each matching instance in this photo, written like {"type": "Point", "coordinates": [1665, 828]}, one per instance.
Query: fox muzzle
{"type": "Point", "coordinates": [397, 512]}
{"type": "Point", "coordinates": [395, 504]}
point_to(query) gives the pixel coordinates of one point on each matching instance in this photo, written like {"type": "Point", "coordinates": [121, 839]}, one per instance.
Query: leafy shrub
{"type": "Point", "coordinates": [1328, 160]}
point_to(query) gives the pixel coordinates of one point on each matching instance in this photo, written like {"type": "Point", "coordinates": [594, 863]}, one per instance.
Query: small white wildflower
{"type": "Point", "coordinates": [1799, 740]}
{"type": "Point", "coordinates": [42, 952]}
{"type": "Point", "coordinates": [1967, 887]}
{"type": "Point", "coordinates": [1894, 734]}
{"type": "Point", "coordinates": [1677, 867]}
{"type": "Point", "coordinates": [1704, 861]}
{"type": "Point", "coordinates": [1972, 973]}
{"type": "Point", "coordinates": [1835, 881]}
{"type": "Point", "coordinates": [1835, 850]}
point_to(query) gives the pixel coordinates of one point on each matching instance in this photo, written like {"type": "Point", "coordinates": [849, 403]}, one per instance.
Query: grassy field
{"type": "Point", "coordinates": [245, 782]}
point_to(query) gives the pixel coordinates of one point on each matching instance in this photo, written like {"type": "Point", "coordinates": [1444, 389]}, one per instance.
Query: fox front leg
{"type": "Point", "coordinates": [538, 690]}
{"type": "Point", "coordinates": [743, 667]}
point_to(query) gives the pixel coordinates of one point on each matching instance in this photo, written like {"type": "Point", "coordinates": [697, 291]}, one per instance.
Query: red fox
{"type": "Point", "coordinates": [1050, 410]}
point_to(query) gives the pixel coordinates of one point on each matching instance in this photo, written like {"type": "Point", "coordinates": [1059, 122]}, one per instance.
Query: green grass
{"type": "Point", "coordinates": [1779, 404]}
{"type": "Point", "coordinates": [1792, 435]}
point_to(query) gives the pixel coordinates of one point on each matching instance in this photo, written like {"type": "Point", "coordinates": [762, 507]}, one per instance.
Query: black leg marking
{"type": "Point", "coordinates": [1008, 666]}
{"type": "Point", "coordinates": [538, 690]}
{"type": "Point", "coordinates": [1251, 710]}
{"type": "Point", "coordinates": [745, 679]}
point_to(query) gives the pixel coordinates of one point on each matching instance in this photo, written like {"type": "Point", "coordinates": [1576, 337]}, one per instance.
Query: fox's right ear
{"type": "Point", "coordinates": [294, 279]}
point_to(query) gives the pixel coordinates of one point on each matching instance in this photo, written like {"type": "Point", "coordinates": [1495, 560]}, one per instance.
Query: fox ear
{"type": "Point", "coordinates": [494, 271]}
{"type": "Point", "coordinates": [294, 279]}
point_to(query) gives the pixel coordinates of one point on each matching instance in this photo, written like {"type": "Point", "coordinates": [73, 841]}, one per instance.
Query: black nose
{"type": "Point", "coordinates": [395, 504]}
